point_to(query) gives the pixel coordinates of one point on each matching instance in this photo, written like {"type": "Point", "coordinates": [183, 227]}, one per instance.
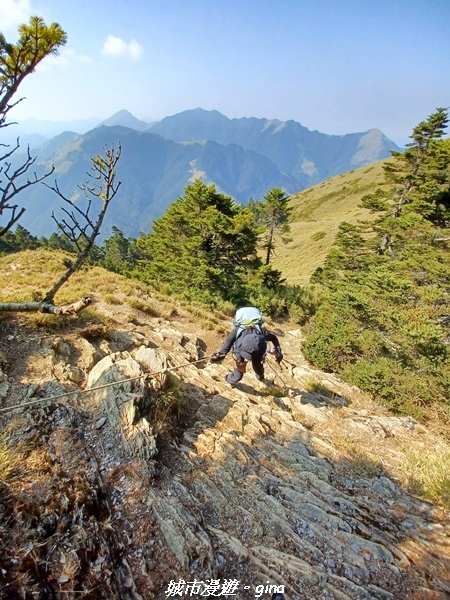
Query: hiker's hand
{"type": "Point", "coordinates": [278, 355]}
{"type": "Point", "coordinates": [217, 357]}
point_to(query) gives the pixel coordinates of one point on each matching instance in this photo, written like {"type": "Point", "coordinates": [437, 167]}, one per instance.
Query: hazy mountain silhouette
{"type": "Point", "coordinates": [154, 171]}
{"type": "Point", "coordinates": [243, 157]}
{"type": "Point", "coordinates": [309, 156]}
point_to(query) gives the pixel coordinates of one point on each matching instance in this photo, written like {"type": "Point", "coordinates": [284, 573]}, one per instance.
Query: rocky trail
{"type": "Point", "coordinates": [258, 488]}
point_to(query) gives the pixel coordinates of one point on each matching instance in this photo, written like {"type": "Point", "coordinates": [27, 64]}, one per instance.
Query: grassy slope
{"type": "Point", "coordinates": [26, 276]}
{"type": "Point", "coordinates": [317, 213]}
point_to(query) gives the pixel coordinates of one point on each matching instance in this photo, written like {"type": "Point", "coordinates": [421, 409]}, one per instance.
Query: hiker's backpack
{"type": "Point", "coordinates": [248, 316]}
{"type": "Point", "coordinates": [250, 336]}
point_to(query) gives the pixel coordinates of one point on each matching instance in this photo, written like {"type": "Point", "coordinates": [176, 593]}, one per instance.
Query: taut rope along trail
{"type": "Point", "coordinates": [100, 387]}
{"type": "Point", "coordinates": [93, 389]}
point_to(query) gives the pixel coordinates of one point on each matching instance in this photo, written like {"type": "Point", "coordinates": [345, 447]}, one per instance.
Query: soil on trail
{"type": "Point", "coordinates": [250, 490]}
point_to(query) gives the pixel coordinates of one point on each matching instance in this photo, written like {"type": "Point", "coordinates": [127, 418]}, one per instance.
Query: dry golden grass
{"type": "Point", "coordinates": [8, 462]}
{"type": "Point", "coordinates": [317, 214]}
{"type": "Point", "coordinates": [142, 305]}
{"type": "Point", "coordinates": [420, 467]}
{"type": "Point", "coordinates": [26, 276]}
{"type": "Point", "coordinates": [362, 461]}
{"type": "Point", "coordinates": [168, 406]}
{"type": "Point", "coordinates": [19, 461]}
{"type": "Point", "coordinates": [426, 471]}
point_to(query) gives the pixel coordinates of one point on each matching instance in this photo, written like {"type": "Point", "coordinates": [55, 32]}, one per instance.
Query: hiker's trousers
{"type": "Point", "coordinates": [241, 364]}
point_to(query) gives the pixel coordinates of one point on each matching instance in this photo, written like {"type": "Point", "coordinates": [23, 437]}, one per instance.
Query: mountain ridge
{"type": "Point", "coordinates": [154, 171]}
{"type": "Point", "coordinates": [292, 147]}
{"type": "Point", "coordinates": [244, 158]}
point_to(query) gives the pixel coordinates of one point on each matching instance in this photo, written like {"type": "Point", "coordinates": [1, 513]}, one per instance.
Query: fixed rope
{"type": "Point", "coordinates": [100, 387]}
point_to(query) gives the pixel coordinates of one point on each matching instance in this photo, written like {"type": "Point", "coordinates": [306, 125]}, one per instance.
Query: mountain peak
{"type": "Point", "coordinates": [126, 119]}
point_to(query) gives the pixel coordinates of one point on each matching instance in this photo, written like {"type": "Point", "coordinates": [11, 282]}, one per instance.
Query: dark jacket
{"type": "Point", "coordinates": [249, 344]}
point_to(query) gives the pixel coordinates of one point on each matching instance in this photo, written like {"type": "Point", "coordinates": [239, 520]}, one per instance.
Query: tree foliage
{"type": "Point", "coordinates": [36, 41]}
{"type": "Point", "coordinates": [273, 216]}
{"type": "Point", "coordinates": [419, 176]}
{"type": "Point", "coordinates": [205, 249]}
{"type": "Point", "coordinates": [384, 322]}
{"type": "Point", "coordinates": [202, 246]}
{"type": "Point", "coordinates": [118, 253]}
{"type": "Point", "coordinates": [17, 61]}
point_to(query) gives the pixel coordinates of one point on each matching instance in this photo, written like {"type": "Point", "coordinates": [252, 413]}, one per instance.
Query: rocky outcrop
{"type": "Point", "coordinates": [260, 487]}
{"type": "Point", "coordinates": [125, 405]}
{"type": "Point", "coordinates": [254, 490]}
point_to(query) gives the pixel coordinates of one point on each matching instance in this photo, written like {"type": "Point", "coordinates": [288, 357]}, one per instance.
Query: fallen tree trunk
{"type": "Point", "coordinates": [47, 307]}
{"type": "Point", "coordinates": [76, 229]}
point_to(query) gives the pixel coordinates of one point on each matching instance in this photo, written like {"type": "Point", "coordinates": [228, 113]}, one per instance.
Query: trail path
{"type": "Point", "coordinates": [262, 486]}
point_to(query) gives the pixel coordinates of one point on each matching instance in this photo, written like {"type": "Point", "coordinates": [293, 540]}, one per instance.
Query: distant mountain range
{"type": "Point", "coordinates": [243, 157]}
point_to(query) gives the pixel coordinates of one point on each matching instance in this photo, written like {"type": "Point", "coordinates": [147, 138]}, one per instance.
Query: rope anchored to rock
{"type": "Point", "coordinates": [100, 387]}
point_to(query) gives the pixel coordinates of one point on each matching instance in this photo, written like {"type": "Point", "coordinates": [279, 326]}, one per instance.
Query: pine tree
{"type": "Point", "coordinates": [419, 175]}
{"type": "Point", "coordinates": [116, 252]}
{"type": "Point", "coordinates": [274, 214]}
{"type": "Point", "coordinates": [383, 321]}
{"type": "Point", "coordinates": [17, 61]}
{"type": "Point", "coordinates": [202, 246]}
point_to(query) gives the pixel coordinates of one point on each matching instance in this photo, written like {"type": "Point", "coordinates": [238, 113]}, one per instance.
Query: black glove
{"type": "Point", "coordinates": [278, 355]}
{"type": "Point", "coordinates": [217, 357]}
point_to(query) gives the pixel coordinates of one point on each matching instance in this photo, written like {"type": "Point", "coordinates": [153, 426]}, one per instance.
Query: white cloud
{"type": "Point", "coordinates": [14, 13]}
{"type": "Point", "coordinates": [115, 46]}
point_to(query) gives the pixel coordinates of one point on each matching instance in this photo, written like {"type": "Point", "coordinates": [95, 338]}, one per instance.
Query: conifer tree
{"type": "Point", "coordinates": [419, 175]}
{"type": "Point", "coordinates": [274, 214]}
{"type": "Point", "coordinates": [202, 246]}
{"type": "Point", "coordinates": [383, 321]}
{"type": "Point", "coordinates": [117, 252]}
{"type": "Point", "coordinates": [17, 61]}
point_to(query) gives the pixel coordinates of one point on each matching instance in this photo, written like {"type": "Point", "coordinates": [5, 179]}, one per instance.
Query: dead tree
{"type": "Point", "coordinates": [12, 183]}
{"type": "Point", "coordinates": [385, 245]}
{"type": "Point", "coordinates": [80, 230]}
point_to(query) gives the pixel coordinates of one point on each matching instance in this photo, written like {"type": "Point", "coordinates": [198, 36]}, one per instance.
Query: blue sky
{"type": "Point", "coordinates": [338, 66]}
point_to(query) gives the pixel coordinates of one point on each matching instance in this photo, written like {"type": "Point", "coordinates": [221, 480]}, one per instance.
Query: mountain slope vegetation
{"type": "Point", "coordinates": [129, 469]}
{"type": "Point", "coordinates": [375, 305]}
{"type": "Point", "coordinates": [315, 218]}
{"type": "Point", "coordinates": [384, 319]}
{"type": "Point", "coordinates": [306, 484]}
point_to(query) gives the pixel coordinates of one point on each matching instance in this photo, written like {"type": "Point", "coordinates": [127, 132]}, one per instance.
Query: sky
{"type": "Point", "coordinates": [336, 66]}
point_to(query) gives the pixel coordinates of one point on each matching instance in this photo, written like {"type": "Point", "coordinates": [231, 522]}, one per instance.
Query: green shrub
{"type": "Point", "coordinates": [144, 306]}
{"type": "Point", "coordinates": [375, 202]}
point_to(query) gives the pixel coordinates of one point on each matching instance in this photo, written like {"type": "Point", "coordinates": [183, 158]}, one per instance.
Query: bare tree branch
{"type": "Point", "coordinates": [11, 187]}
{"type": "Point", "coordinates": [81, 234]}
{"type": "Point", "coordinates": [104, 171]}
{"type": "Point", "coordinates": [9, 152]}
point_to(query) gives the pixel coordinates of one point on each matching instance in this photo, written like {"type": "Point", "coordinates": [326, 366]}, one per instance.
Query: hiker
{"type": "Point", "coordinates": [248, 342]}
